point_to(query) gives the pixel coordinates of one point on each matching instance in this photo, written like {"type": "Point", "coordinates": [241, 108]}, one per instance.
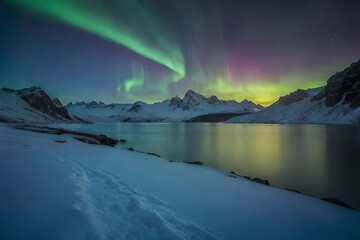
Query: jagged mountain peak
{"type": "Point", "coordinates": [246, 101]}
{"type": "Point", "coordinates": [213, 99]}
{"type": "Point", "coordinates": [95, 104]}
{"type": "Point", "coordinates": [191, 100]}
{"type": "Point", "coordinates": [295, 96]}
{"type": "Point", "coordinates": [175, 101]}
{"type": "Point", "coordinates": [57, 103]}
{"type": "Point", "coordinates": [343, 87]}
{"type": "Point", "coordinates": [251, 105]}
{"type": "Point", "coordinates": [37, 98]}
{"type": "Point", "coordinates": [92, 104]}
{"type": "Point", "coordinates": [35, 102]}
{"type": "Point", "coordinates": [192, 94]}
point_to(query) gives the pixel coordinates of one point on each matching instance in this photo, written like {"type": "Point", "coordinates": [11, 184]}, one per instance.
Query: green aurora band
{"type": "Point", "coordinates": [138, 77]}
{"type": "Point", "coordinates": [133, 26]}
{"type": "Point", "coordinates": [92, 17]}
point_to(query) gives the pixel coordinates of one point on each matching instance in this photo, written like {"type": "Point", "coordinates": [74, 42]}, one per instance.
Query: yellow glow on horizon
{"type": "Point", "coordinates": [264, 92]}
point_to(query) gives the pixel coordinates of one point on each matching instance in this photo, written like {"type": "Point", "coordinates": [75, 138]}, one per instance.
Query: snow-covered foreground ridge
{"type": "Point", "coordinates": [72, 190]}
{"type": "Point", "coordinates": [337, 102]}
{"type": "Point", "coordinates": [175, 110]}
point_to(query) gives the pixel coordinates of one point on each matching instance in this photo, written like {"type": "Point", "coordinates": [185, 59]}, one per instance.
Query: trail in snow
{"type": "Point", "coordinates": [120, 212]}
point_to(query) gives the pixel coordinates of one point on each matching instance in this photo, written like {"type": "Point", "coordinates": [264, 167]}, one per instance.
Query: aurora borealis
{"type": "Point", "coordinates": [150, 50]}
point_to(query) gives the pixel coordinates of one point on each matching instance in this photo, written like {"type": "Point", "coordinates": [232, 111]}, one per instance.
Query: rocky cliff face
{"type": "Point", "coordinates": [337, 102]}
{"type": "Point", "coordinates": [342, 87]}
{"type": "Point", "coordinates": [296, 96]}
{"type": "Point", "coordinates": [191, 100]}
{"type": "Point", "coordinates": [40, 100]}
{"type": "Point", "coordinates": [32, 105]}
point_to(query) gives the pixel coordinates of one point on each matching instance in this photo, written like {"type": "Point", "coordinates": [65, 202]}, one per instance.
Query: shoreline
{"type": "Point", "coordinates": [175, 199]}
{"type": "Point", "coordinates": [102, 139]}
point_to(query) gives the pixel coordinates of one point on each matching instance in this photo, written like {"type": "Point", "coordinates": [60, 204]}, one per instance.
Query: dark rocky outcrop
{"type": "Point", "coordinates": [250, 104]}
{"type": "Point", "coordinates": [191, 100]}
{"type": "Point", "coordinates": [8, 90]}
{"type": "Point", "coordinates": [194, 162]}
{"type": "Point", "coordinates": [292, 190]}
{"type": "Point", "coordinates": [80, 136]}
{"type": "Point", "coordinates": [3, 120]}
{"type": "Point", "coordinates": [353, 99]}
{"type": "Point", "coordinates": [262, 181]}
{"type": "Point", "coordinates": [235, 175]}
{"type": "Point", "coordinates": [213, 99]}
{"type": "Point", "coordinates": [92, 104]}
{"type": "Point", "coordinates": [149, 153]}
{"type": "Point", "coordinates": [337, 202]}
{"type": "Point", "coordinates": [296, 96]}
{"type": "Point", "coordinates": [153, 154]}
{"type": "Point", "coordinates": [215, 117]}
{"type": "Point", "coordinates": [86, 140]}
{"type": "Point", "coordinates": [40, 100]}
{"type": "Point", "coordinates": [342, 86]}
{"type": "Point", "coordinates": [80, 120]}
{"type": "Point", "coordinates": [103, 139]}
{"type": "Point", "coordinates": [175, 101]}
{"type": "Point", "coordinates": [136, 107]}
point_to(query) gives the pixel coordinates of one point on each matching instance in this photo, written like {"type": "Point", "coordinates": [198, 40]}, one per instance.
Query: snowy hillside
{"type": "Point", "coordinates": [337, 102]}
{"type": "Point", "coordinates": [31, 105]}
{"type": "Point", "coordinates": [175, 110]}
{"type": "Point", "coordinates": [54, 187]}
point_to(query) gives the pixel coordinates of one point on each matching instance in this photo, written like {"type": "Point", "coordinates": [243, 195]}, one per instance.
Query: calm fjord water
{"type": "Point", "coordinates": [318, 160]}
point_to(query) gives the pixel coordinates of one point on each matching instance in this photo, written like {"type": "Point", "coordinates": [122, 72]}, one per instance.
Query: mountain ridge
{"type": "Point", "coordinates": [32, 105]}
{"type": "Point", "coordinates": [176, 109]}
{"type": "Point", "coordinates": [337, 102]}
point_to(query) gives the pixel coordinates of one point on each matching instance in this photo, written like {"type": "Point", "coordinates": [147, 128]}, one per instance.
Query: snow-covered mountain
{"type": "Point", "coordinates": [337, 102]}
{"type": "Point", "coordinates": [174, 110]}
{"type": "Point", "coordinates": [31, 105]}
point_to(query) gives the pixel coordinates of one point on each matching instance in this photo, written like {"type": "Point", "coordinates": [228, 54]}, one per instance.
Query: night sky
{"type": "Point", "coordinates": [151, 50]}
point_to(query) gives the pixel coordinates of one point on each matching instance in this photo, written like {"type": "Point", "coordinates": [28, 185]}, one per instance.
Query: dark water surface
{"type": "Point", "coordinates": [317, 160]}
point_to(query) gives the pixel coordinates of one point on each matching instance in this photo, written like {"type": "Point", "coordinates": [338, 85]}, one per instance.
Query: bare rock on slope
{"type": "Point", "coordinates": [342, 86]}
{"type": "Point", "coordinates": [40, 100]}
{"type": "Point", "coordinates": [296, 96]}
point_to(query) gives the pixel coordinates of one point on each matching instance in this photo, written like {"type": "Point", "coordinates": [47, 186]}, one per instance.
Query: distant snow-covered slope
{"type": "Point", "coordinates": [175, 110]}
{"type": "Point", "coordinates": [31, 105]}
{"type": "Point", "coordinates": [337, 102]}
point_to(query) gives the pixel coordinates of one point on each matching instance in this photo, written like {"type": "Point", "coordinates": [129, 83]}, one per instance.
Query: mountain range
{"type": "Point", "coordinates": [174, 110]}
{"type": "Point", "coordinates": [338, 102]}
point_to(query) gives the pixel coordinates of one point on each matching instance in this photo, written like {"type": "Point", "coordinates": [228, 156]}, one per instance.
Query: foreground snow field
{"type": "Point", "coordinates": [51, 190]}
